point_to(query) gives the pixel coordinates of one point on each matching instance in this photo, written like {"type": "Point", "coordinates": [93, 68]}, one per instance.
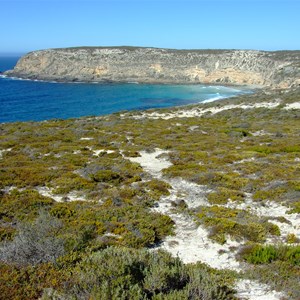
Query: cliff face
{"type": "Point", "coordinates": [125, 64]}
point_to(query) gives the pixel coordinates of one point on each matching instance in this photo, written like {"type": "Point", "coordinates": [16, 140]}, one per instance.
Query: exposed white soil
{"type": "Point", "coordinates": [109, 234]}
{"type": "Point", "coordinates": [192, 128]}
{"type": "Point", "coordinates": [295, 105]}
{"type": "Point", "coordinates": [260, 133]}
{"type": "Point", "coordinates": [251, 159]}
{"type": "Point", "coordinates": [3, 151]}
{"type": "Point", "coordinates": [8, 189]}
{"type": "Point", "coordinates": [72, 196]}
{"type": "Point", "coordinates": [198, 111]}
{"type": "Point", "coordinates": [47, 192]}
{"type": "Point", "coordinates": [97, 152]}
{"type": "Point", "coordinates": [190, 242]}
{"type": "Point", "coordinates": [252, 290]}
{"type": "Point", "coordinates": [151, 163]}
{"type": "Point", "coordinates": [192, 194]}
{"type": "Point", "coordinates": [271, 209]}
{"type": "Point", "coordinates": [86, 138]}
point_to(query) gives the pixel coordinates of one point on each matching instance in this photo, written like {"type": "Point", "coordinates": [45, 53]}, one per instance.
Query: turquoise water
{"type": "Point", "coordinates": [25, 100]}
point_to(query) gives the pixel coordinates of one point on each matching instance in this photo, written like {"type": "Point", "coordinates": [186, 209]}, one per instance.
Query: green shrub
{"type": "Point", "coordinates": [295, 209]}
{"type": "Point", "coordinates": [156, 188]}
{"type": "Point", "coordinates": [222, 221]}
{"type": "Point", "coordinates": [260, 254]}
{"type": "Point", "coordinates": [7, 233]}
{"type": "Point", "coordinates": [107, 176]}
{"type": "Point", "coordinates": [254, 232]}
{"type": "Point", "coordinates": [292, 238]}
{"type": "Point", "coordinates": [34, 243]}
{"type": "Point", "coordinates": [22, 205]}
{"type": "Point", "coordinates": [278, 275]}
{"type": "Point", "coordinates": [223, 195]}
{"type": "Point", "coordinates": [271, 228]}
{"type": "Point", "coordinates": [29, 282]}
{"type": "Point", "coordinates": [138, 274]}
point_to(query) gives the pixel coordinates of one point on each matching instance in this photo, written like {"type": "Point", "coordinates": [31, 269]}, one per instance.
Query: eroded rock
{"type": "Point", "coordinates": [280, 69]}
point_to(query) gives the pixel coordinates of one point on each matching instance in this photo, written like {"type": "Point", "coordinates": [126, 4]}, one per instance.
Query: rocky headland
{"type": "Point", "coordinates": [279, 69]}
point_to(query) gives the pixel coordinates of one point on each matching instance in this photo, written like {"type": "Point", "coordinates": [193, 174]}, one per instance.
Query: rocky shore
{"type": "Point", "coordinates": [280, 69]}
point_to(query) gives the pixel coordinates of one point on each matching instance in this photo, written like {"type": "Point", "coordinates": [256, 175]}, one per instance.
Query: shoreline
{"type": "Point", "coordinates": [202, 93]}
{"type": "Point", "coordinates": [150, 82]}
{"type": "Point", "coordinates": [161, 112]}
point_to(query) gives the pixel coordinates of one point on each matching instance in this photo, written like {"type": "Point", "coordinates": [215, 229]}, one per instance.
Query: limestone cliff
{"type": "Point", "coordinates": [280, 69]}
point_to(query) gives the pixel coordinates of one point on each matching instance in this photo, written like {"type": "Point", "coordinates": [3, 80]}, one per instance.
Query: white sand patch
{"type": "Point", "coordinates": [295, 105]}
{"type": "Point", "coordinates": [285, 229]}
{"type": "Point", "coordinates": [129, 139]}
{"type": "Point", "coordinates": [47, 192]}
{"type": "Point", "coordinates": [112, 234]}
{"type": "Point", "coordinates": [151, 162]}
{"type": "Point", "coordinates": [72, 196]}
{"type": "Point", "coordinates": [8, 189]}
{"type": "Point", "coordinates": [3, 151]}
{"type": "Point", "coordinates": [191, 243]}
{"type": "Point", "coordinates": [192, 194]}
{"type": "Point", "coordinates": [198, 112]}
{"type": "Point", "coordinates": [250, 159]}
{"type": "Point", "coordinates": [270, 209]}
{"type": "Point", "coordinates": [86, 138]}
{"type": "Point", "coordinates": [260, 133]}
{"type": "Point", "coordinates": [97, 152]}
{"type": "Point", "coordinates": [192, 128]}
{"type": "Point", "coordinates": [252, 290]}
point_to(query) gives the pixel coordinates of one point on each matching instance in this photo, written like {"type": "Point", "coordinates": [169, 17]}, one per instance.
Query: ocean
{"type": "Point", "coordinates": [27, 100]}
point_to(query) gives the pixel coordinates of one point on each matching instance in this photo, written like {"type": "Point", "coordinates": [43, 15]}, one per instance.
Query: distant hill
{"type": "Point", "coordinates": [279, 69]}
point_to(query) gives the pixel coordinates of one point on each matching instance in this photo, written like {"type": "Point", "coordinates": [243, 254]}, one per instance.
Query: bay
{"type": "Point", "coordinates": [27, 100]}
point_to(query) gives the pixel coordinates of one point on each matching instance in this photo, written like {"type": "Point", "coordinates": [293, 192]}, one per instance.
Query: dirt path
{"type": "Point", "coordinates": [191, 243]}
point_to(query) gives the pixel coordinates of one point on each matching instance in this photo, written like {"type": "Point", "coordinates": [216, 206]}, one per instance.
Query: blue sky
{"type": "Point", "coordinates": [28, 25]}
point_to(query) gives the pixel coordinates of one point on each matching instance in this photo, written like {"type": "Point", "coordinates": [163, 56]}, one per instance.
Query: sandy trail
{"type": "Point", "coordinates": [200, 111]}
{"type": "Point", "coordinates": [191, 243]}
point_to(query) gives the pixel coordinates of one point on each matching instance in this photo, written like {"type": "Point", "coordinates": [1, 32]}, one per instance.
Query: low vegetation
{"type": "Point", "coordinates": [237, 224]}
{"type": "Point", "coordinates": [275, 265]}
{"type": "Point", "coordinates": [91, 244]}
